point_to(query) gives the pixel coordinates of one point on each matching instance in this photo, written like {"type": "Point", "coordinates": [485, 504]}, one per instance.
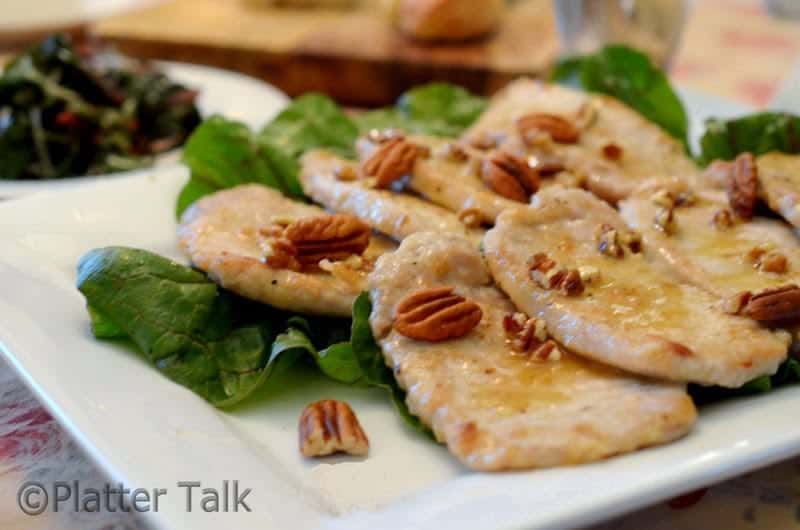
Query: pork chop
{"type": "Point", "coordinates": [394, 214]}
{"type": "Point", "coordinates": [779, 184]}
{"type": "Point", "coordinates": [222, 234]}
{"type": "Point", "coordinates": [497, 409]}
{"type": "Point", "coordinates": [615, 149]}
{"type": "Point", "coordinates": [707, 245]}
{"type": "Point", "coordinates": [630, 314]}
{"type": "Point", "coordinates": [450, 180]}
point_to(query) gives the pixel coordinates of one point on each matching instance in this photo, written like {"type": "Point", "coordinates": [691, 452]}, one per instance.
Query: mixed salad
{"type": "Point", "coordinates": [68, 110]}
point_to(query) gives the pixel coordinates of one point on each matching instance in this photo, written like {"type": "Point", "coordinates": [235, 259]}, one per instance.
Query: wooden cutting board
{"type": "Point", "coordinates": [354, 55]}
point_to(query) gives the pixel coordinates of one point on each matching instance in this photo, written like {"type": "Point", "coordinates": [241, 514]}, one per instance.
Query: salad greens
{"type": "Point", "coordinates": [631, 77]}
{"type": "Point", "coordinates": [437, 109]}
{"type": "Point", "coordinates": [788, 374]}
{"type": "Point", "coordinates": [757, 133]}
{"type": "Point", "coordinates": [219, 345]}
{"type": "Point", "coordinates": [312, 120]}
{"type": "Point", "coordinates": [223, 153]}
{"type": "Point", "coordinates": [69, 111]}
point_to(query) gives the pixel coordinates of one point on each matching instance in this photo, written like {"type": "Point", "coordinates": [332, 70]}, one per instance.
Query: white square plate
{"type": "Point", "coordinates": [147, 432]}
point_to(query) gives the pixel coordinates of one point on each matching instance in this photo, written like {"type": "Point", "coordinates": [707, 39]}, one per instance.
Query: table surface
{"type": "Point", "coordinates": [732, 49]}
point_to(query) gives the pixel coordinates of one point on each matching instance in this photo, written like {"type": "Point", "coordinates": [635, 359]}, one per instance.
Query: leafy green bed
{"type": "Point", "coordinates": [224, 347]}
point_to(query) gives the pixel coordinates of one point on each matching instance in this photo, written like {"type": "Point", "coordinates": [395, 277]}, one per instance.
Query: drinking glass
{"type": "Point", "coordinates": [652, 26]}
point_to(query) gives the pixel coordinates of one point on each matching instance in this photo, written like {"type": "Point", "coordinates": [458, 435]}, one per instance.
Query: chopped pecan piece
{"type": "Point", "coordinates": [663, 199]}
{"type": "Point", "coordinates": [471, 217]}
{"type": "Point", "coordinates": [531, 127]}
{"type": "Point", "coordinates": [393, 160]}
{"type": "Point", "coordinates": [330, 426]}
{"type": "Point", "coordinates": [332, 237]}
{"type": "Point", "coordinates": [546, 273]}
{"type": "Point", "coordinates": [451, 151]}
{"type": "Point", "coordinates": [612, 152]}
{"type": "Point", "coordinates": [665, 220]}
{"type": "Point", "coordinates": [685, 198]}
{"type": "Point", "coordinates": [507, 175]}
{"type": "Point", "coordinates": [608, 241]}
{"type": "Point", "coordinates": [773, 262]}
{"type": "Point", "coordinates": [572, 284]}
{"type": "Point", "coordinates": [345, 172]}
{"type": "Point", "coordinates": [589, 274]}
{"type": "Point", "coordinates": [436, 314]}
{"type": "Point", "coordinates": [765, 259]}
{"type": "Point", "coordinates": [547, 352]}
{"type": "Point", "coordinates": [781, 303]}
{"type": "Point", "coordinates": [723, 219]}
{"type": "Point", "coordinates": [632, 240]}
{"type": "Point", "coordinates": [486, 140]}
{"type": "Point", "coordinates": [528, 336]}
{"type": "Point", "coordinates": [742, 185]}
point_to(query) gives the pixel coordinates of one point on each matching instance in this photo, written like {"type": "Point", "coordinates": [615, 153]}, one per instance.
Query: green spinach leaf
{"type": "Point", "coordinates": [757, 133]}
{"type": "Point", "coordinates": [788, 374]}
{"type": "Point", "coordinates": [631, 77]}
{"type": "Point", "coordinates": [183, 323]}
{"type": "Point", "coordinates": [223, 153]}
{"type": "Point", "coordinates": [219, 345]}
{"type": "Point", "coordinates": [438, 109]}
{"type": "Point", "coordinates": [311, 121]}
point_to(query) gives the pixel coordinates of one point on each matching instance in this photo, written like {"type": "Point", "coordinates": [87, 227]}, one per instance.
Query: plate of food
{"type": "Point", "coordinates": [71, 114]}
{"type": "Point", "coordinates": [534, 311]}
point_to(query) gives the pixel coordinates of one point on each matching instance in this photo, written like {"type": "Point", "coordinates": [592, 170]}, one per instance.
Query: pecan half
{"type": "Point", "coordinates": [531, 127]}
{"type": "Point", "coordinates": [509, 176]}
{"type": "Point", "coordinates": [332, 237]}
{"type": "Point", "coordinates": [280, 253]}
{"type": "Point", "coordinates": [742, 185]}
{"type": "Point", "coordinates": [393, 160]}
{"type": "Point", "coordinates": [331, 426]}
{"type": "Point", "coordinates": [781, 303]}
{"type": "Point", "coordinates": [546, 273]}
{"type": "Point", "coordinates": [436, 314]}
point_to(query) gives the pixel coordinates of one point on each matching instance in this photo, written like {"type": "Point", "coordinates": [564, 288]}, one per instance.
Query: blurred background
{"type": "Point", "coordinates": [367, 52]}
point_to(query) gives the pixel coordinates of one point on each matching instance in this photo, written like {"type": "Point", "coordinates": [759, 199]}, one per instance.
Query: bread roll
{"type": "Point", "coordinates": [447, 20]}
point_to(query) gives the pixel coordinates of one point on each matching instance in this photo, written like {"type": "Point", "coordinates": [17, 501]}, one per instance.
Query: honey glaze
{"type": "Point", "coordinates": [723, 253]}
{"type": "Point", "coordinates": [517, 384]}
{"type": "Point", "coordinates": [628, 291]}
